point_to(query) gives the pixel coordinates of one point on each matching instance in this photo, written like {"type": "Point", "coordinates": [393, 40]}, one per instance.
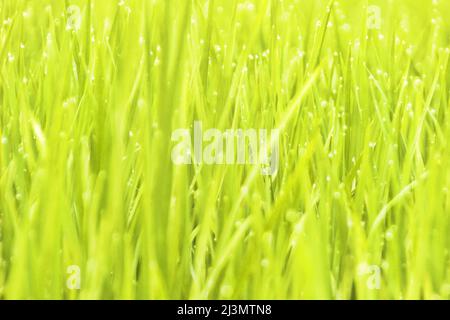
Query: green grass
{"type": "Point", "coordinates": [86, 176]}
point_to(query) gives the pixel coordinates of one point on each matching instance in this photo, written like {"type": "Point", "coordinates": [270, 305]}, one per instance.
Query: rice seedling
{"type": "Point", "coordinates": [92, 205]}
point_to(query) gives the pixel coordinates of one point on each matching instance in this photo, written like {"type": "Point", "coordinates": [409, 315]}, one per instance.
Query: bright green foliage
{"type": "Point", "coordinates": [86, 176]}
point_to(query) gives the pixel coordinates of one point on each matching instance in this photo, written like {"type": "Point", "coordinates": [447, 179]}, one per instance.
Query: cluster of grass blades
{"type": "Point", "coordinates": [91, 90]}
